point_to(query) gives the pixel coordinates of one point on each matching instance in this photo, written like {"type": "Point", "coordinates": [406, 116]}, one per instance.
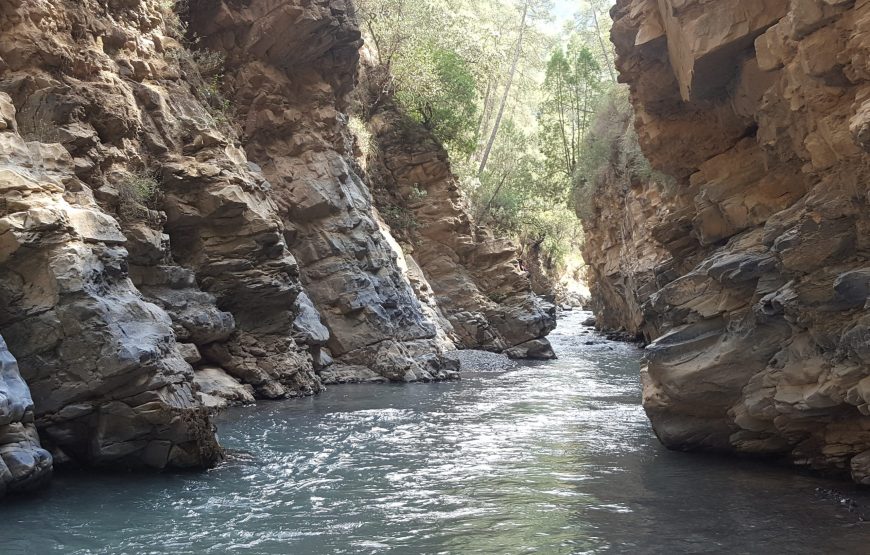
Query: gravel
{"type": "Point", "coordinates": [482, 361]}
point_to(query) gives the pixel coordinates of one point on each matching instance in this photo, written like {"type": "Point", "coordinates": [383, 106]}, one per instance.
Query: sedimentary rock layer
{"type": "Point", "coordinates": [475, 276]}
{"type": "Point", "coordinates": [289, 93]}
{"type": "Point", "coordinates": [108, 381]}
{"type": "Point", "coordinates": [183, 226]}
{"type": "Point", "coordinates": [761, 325]}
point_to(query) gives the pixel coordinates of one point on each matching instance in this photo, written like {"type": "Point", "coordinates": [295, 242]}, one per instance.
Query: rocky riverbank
{"type": "Point", "coordinates": [751, 274]}
{"type": "Point", "coordinates": [185, 225]}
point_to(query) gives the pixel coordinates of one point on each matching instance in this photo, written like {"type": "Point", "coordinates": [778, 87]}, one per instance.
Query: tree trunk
{"type": "Point", "coordinates": [507, 91]}
{"type": "Point", "coordinates": [601, 42]}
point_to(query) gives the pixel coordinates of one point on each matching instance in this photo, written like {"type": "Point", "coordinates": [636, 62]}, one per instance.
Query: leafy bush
{"type": "Point", "coordinates": [417, 194]}
{"type": "Point", "coordinates": [136, 191]}
{"type": "Point", "coordinates": [611, 155]}
{"type": "Point", "coordinates": [400, 218]}
{"type": "Point", "coordinates": [445, 101]}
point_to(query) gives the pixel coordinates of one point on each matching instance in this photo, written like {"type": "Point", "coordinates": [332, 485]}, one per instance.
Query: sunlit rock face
{"type": "Point", "coordinates": [290, 66]}
{"type": "Point", "coordinates": [759, 304]}
{"type": "Point", "coordinates": [475, 276]}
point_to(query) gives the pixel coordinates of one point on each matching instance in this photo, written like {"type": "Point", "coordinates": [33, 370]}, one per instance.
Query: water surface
{"type": "Point", "coordinates": [553, 458]}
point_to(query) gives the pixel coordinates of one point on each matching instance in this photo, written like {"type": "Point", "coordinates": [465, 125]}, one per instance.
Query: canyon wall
{"type": "Point", "coordinates": [759, 302]}
{"type": "Point", "coordinates": [184, 225]}
{"type": "Point", "coordinates": [475, 276]}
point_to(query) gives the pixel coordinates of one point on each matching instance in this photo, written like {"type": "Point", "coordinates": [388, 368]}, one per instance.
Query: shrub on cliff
{"type": "Point", "coordinates": [611, 155]}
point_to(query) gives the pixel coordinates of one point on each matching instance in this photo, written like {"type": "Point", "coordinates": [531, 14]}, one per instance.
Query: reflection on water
{"type": "Point", "coordinates": [551, 458]}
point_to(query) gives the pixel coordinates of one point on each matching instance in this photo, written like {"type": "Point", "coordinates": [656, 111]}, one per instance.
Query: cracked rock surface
{"type": "Point", "coordinates": [751, 272]}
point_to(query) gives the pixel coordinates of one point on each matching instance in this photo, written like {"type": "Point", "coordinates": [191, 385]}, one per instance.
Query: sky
{"type": "Point", "coordinates": [563, 11]}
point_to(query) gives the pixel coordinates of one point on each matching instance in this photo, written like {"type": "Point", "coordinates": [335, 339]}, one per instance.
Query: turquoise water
{"type": "Point", "coordinates": [553, 458]}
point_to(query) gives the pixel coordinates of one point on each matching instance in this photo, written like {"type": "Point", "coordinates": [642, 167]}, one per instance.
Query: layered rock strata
{"type": "Point", "coordinates": [108, 381]}
{"type": "Point", "coordinates": [760, 325]}
{"type": "Point", "coordinates": [183, 226]}
{"type": "Point", "coordinates": [475, 276]}
{"type": "Point", "coordinates": [289, 93]}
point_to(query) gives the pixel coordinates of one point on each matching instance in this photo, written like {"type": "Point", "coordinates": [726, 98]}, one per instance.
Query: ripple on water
{"type": "Point", "coordinates": [546, 457]}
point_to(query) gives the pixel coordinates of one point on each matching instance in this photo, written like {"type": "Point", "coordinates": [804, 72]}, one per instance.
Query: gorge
{"type": "Point", "coordinates": [142, 235]}
{"type": "Point", "coordinates": [231, 230]}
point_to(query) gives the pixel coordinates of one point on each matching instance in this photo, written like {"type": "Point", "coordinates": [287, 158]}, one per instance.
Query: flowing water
{"type": "Point", "coordinates": [549, 458]}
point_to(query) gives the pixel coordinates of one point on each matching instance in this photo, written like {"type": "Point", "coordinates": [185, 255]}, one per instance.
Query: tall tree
{"type": "Point", "coordinates": [507, 88]}
{"type": "Point", "coordinates": [597, 6]}
{"type": "Point", "coordinates": [572, 86]}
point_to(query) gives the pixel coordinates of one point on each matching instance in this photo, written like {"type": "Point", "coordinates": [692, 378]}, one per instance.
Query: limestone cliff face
{"type": "Point", "coordinates": [621, 209]}
{"type": "Point", "coordinates": [289, 91]}
{"type": "Point", "coordinates": [108, 379]}
{"type": "Point", "coordinates": [759, 109]}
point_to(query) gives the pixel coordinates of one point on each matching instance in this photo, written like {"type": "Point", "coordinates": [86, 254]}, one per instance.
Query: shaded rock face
{"type": "Point", "coordinates": [625, 263]}
{"type": "Point", "coordinates": [475, 276]}
{"type": "Point", "coordinates": [24, 464]}
{"type": "Point", "coordinates": [289, 91]}
{"type": "Point", "coordinates": [108, 382]}
{"type": "Point", "coordinates": [156, 265]}
{"type": "Point", "coordinates": [759, 311]}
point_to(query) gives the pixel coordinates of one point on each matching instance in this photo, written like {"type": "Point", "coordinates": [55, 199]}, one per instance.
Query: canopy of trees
{"type": "Point", "coordinates": [512, 96]}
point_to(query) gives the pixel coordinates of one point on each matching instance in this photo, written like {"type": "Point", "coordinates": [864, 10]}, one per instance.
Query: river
{"type": "Point", "coordinates": [552, 457]}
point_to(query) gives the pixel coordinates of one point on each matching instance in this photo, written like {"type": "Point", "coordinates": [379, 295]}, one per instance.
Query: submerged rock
{"type": "Point", "coordinates": [537, 349]}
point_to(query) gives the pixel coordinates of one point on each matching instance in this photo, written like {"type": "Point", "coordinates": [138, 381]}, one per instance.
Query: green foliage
{"type": "Point", "coordinates": [445, 101]}
{"type": "Point", "coordinates": [572, 87]}
{"type": "Point", "coordinates": [400, 218]}
{"type": "Point", "coordinates": [483, 72]}
{"type": "Point", "coordinates": [432, 74]}
{"type": "Point", "coordinates": [136, 191]}
{"type": "Point", "coordinates": [219, 108]}
{"type": "Point", "coordinates": [417, 194]}
{"type": "Point", "coordinates": [516, 199]}
{"type": "Point", "coordinates": [611, 156]}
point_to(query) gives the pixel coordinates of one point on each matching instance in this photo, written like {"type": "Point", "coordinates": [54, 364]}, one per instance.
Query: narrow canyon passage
{"type": "Point", "coordinates": [548, 457]}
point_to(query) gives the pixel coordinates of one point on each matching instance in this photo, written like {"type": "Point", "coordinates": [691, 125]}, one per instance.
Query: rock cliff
{"type": "Point", "coordinates": [758, 301]}
{"type": "Point", "coordinates": [476, 278]}
{"type": "Point", "coordinates": [184, 225]}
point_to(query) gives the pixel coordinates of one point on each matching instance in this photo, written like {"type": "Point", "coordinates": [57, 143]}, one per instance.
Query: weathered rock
{"type": "Point", "coordinates": [218, 390]}
{"type": "Point", "coordinates": [344, 374]}
{"type": "Point", "coordinates": [108, 382]}
{"type": "Point", "coordinates": [289, 90]}
{"type": "Point", "coordinates": [537, 349]}
{"type": "Point", "coordinates": [475, 276]}
{"type": "Point", "coordinates": [24, 464]}
{"type": "Point", "coordinates": [755, 292]}
{"type": "Point", "coordinates": [138, 239]}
